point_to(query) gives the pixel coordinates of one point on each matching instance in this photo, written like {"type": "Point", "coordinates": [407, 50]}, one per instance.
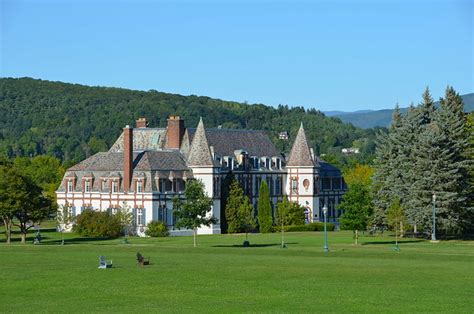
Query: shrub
{"type": "Point", "coordinates": [314, 226]}
{"type": "Point", "coordinates": [91, 223]}
{"type": "Point", "coordinates": [156, 229]}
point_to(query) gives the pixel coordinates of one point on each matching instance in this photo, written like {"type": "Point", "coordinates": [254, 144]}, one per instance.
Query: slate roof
{"type": "Point", "coordinates": [227, 141]}
{"type": "Point", "coordinates": [328, 170]}
{"type": "Point", "coordinates": [148, 160]}
{"type": "Point", "coordinates": [199, 153]}
{"type": "Point", "coordinates": [143, 139]}
{"type": "Point", "coordinates": [300, 154]}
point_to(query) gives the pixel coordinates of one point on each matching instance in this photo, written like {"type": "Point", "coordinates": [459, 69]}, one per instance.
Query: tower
{"type": "Point", "coordinates": [201, 162]}
{"type": "Point", "coordinates": [301, 176]}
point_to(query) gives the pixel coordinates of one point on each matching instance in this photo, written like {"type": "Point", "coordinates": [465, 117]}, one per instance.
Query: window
{"type": "Point", "coordinates": [258, 181]}
{"type": "Point", "coordinates": [104, 185]}
{"type": "Point", "coordinates": [139, 216]}
{"type": "Point", "coordinates": [326, 182]}
{"type": "Point", "coordinates": [294, 185]}
{"type": "Point", "coordinates": [278, 186]}
{"type": "Point", "coordinates": [114, 186]}
{"type": "Point", "coordinates": [69, 186]}
{"type": "Point", "coordinates": [139, 186]}
{"type": "Point", "coordinates": [165, 185]}
{"type": "Point", "coordinates": [87, 186]}
{"type": "Point", "coordinates": [254, 161]}
{"type": "Point", "coordinates": [278, 162]}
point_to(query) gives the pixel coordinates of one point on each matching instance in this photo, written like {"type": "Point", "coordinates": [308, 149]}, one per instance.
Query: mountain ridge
{"type": "Point", "coordinates": [382, 118]}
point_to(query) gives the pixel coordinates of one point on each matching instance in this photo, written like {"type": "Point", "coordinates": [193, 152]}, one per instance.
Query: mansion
{"type": "Point", "coordinates": [146, 168]}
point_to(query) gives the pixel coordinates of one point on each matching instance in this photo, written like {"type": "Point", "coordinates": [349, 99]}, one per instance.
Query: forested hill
{"type": "Point", "coordinates": [73, 121]}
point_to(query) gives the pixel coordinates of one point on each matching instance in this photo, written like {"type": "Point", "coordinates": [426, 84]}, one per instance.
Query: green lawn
{"type": "Point", "coordinates": [219, 276]}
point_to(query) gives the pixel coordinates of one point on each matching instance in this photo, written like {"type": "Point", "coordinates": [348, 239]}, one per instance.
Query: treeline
{"type": "Point", "coordinates": [72, 122]}
{"type": "Point", "coordinates": [426, 160]}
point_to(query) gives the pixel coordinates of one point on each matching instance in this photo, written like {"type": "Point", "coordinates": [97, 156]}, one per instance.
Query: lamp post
{"type": "Point", "coordinates": [433, 232]}
{"type": "Point", "coordinates": [325, 212]}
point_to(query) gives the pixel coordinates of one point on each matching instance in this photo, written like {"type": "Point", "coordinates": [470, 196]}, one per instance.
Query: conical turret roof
{"type": "Point", "coordinates": [199, 153]}
{"type": "Point", "coordinates": [300, 154]}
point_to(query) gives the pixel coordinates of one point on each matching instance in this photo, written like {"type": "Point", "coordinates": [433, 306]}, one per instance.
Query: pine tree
{"type": "Point", "coordinates": [385, 156]}
{"type": "Point", "coordinates": [239, 210]}
{"type": "Point", "coordinates": [265, 219]}
{"type": "Point", "coordinates": [453, 193]}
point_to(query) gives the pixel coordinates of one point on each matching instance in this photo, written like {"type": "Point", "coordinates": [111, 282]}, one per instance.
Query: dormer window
{"type": "Point", "coordinates": [254, 161]}
{"type": "Point", "coordinates": [70, 186]}
{"type": "Point", "coordinates": [115, 186]}
{"type": "Point", "coordinates": [278, 163]}
{"type": "Point", "coordinates": [139, 186]}
{"type": "Point", "coordinates": [87, 186]}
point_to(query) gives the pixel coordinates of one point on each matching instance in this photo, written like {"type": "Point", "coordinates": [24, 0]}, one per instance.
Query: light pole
{"type": "Point", "coordinates": [433, 232]}
{"type": "Point", "coordinates": [325, 212]}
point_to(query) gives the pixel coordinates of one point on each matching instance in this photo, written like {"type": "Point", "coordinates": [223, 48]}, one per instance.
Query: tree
{"type": "Point", "coordinates": [193, 211]}
{"type": "Point", "coordinates": [265, 219]}
{"type": "Point", "coordinates": [13, 194]}
{"type": "Point", "coordinates": [225, 190]}
{"type": "Point", "coordinates": [239, 211]}
{"type": "Point", "coordinates": [358, 208]}
{"type": "Point", "coordinates": [288, 213]}
{"type": "Point", "coordinates": [64, 219]}
{"type": "Point", "coordinates": [396, 218]}
{"type": "Point", "coordinates": [125, 216]}
{"type": "Point", "coordinates": [359, 174]}
{"type": "Point", "coordinates": [45, 171]}
{"type": "Point", "coordinates": [33, 208]}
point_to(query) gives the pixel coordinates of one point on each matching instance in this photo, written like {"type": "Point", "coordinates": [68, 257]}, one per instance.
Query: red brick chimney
{"type": "Point", "coordinates": [175, 132]}
{"type": "Point", "coordinates": [127, 157]}
{"type": "Point", "coordinates": [142, 123]}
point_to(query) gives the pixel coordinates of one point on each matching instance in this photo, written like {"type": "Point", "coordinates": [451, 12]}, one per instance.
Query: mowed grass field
{"type": "Point", "coordinates": [221, 276]}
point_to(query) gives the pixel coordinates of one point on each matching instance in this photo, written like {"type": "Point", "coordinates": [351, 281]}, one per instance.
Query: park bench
{"type": "Point", "coordinates": [141, 260]}
{"type": "Point", "coordinates": [103, 263]}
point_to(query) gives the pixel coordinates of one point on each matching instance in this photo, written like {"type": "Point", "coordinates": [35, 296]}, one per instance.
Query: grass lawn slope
{"type": "Point", "coordinates": [220, 276]}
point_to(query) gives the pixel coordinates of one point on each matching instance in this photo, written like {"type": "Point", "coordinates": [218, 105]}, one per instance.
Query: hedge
{"type": "Point", "coordinates": [314, 226]}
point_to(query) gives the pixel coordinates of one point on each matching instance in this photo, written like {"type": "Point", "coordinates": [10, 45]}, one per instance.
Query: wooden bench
{"type": "Point", "coordinates": [142, 260]}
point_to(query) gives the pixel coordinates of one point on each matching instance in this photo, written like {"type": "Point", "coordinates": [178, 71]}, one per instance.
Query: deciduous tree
{"type": "Point", "coordinates": [193, 211]}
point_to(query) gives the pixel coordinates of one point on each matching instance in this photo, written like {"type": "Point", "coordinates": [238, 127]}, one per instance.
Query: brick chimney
{"type": "Point", "coordinates": [127, 157]}
{"type": "Point", "coordinates": [142, 123]}
{"type": "Point", "coordinates": [175, 132]}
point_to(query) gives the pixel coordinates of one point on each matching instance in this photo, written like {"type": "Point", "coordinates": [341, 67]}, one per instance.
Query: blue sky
{"type": "Point", "coordinates": [328, 55]}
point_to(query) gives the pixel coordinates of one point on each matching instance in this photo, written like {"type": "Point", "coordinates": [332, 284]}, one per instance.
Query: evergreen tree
{"type": "Point", "coordinates": [239, 210]}
{"type": "Point", "coordinates": [265, 219]}
{"type": "Point", "coordinates": [427, 152]}
{"type": "Point", "coordinates": [453, 192]}
{"type": "Point", "coordinates": [225, 189]}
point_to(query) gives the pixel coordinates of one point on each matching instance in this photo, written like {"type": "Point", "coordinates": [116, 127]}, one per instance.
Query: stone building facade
{"type": "Point", "coordinates": [146, 168]}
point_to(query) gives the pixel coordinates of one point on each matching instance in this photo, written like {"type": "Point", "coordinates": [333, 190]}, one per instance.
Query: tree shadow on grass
{"type": "Point", "coordinates": [79, 240]}
{"type": "Point", "coordinates": [393, 242]}
{"type": "Point", "coordinates": [253, 245]}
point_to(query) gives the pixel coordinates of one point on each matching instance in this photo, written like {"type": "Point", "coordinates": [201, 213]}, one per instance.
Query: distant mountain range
{"type": "Point", "coordinates": [373, 118]}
